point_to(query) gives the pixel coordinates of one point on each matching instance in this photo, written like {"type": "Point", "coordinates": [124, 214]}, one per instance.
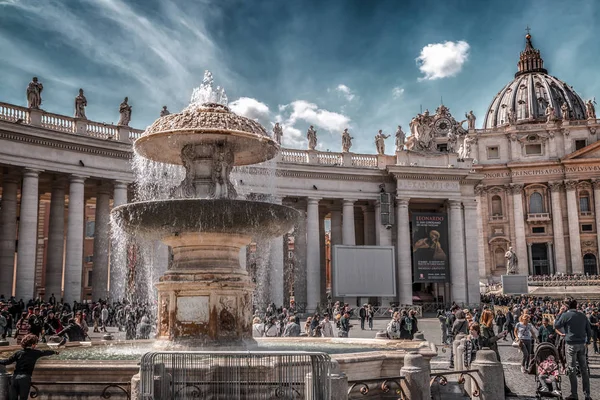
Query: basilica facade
{"type": "Point", "coordinates": [450, 199]}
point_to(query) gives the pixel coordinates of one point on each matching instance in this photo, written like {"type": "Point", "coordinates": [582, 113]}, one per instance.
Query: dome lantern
{"type": "Point", "coordinates": [530, 59]}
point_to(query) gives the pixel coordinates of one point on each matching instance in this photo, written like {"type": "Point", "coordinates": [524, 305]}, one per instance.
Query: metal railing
{"type": "Point", "coordinates": [109, 389]}
{"type": "Point", "coordinates": [235, 375]}
{"type": "Point", "coordinates": [441, 379]}
{"type": "Point", "coordinates": [384, 388]}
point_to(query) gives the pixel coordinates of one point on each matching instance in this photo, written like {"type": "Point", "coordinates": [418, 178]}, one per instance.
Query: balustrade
{"type": "Point", "coordinates": [58, 123]}
{"type": "Point", "coordinates": [330, 158]}
{"type": "Point", "coordinates": [294, 156]}
{"type": "Point", "coordinates": [101, 131]}
{"type": "Point", "coordinates": [12, 113]}
{"type": "Point", "coordinates": [135, 134]}
{"type": "Point", "coordinates": [364, 160]}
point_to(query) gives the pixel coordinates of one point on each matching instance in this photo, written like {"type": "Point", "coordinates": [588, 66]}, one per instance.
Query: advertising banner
{"type": "Point", "coordinates": [430, 247]}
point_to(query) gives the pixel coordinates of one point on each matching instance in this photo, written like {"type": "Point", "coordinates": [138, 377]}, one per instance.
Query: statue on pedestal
{"type": "Point", "coordinates": [512, 262]}
{"type": "Point", "coordinates": [380, 142]}
{"type": "Point", "coordinates": [589, 109]}
{"type": "Point", "coordinates": [464, 150]}
{"type": "Point", "coordinates": [471, 120]}
{"type": "Point", "coordinates": [400, 138]}
{"type": "Point", "coordinates": [125, 111]}
{"type": "Point", "coordinates": [277, 133]}
{"type": "Point", "coordinates": [164, 111]}
{"type": "Point", "coordinates": [80, 104]}
{"type": "Point", "coordinates": [34, 93]}
{"type": "Point", "coordinates": [346, 141]}
{"type": "Point", "coordinates": [311, 135]}
{"type": "Point", "coordinates": [512, 118]}
{"type": "Point", "coordinates": [549, 113]}
{"type": "Point", "coordinates": [452, 140]}
{"type": "Point", "coordinates": [564, 110]}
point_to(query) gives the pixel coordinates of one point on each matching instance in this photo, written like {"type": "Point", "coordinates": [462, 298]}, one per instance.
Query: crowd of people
{"type": "Point", "coordinates": [61, 321]}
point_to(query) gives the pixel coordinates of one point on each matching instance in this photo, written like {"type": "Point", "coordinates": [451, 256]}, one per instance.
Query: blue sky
{"type": "Point", "coordinates": [365, 65]}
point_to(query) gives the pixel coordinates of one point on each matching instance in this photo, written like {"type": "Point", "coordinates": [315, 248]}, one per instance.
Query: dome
{"type": "Point", "coordinates": [530, 93]}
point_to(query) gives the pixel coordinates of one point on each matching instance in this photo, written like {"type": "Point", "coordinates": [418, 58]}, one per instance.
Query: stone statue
{"type": "Point", "coordinates": [512, 118]}
{"type": "Point", "coordinates": [80, 104]}
{"type": "Point", "coordinates": [564, 110]}
{"type": "Point", "coordinates": [34, 93]}
{"type": "Point", "coordinates": [452, 139]}
{"type": "Point", "coordinates": [421, 130]}
{"type": "Point", "coordinates": [464, 151]}
{"type": "Point", "coordinates": [471, 120]}
{"type": "Point", "coordinates": [164, 111]}
{"type": "Point", "coordinates": [222, 187]}
{"type": "Point", "coordinates": [549, 113]}
{"type": "Point", "coordinates": [125, 111]}
{"type": "Point", "coordinates": [311, 135]}
{"type": "Point", "coordinates": [589, 109]}
{"type": "Point", "coordinates": [400, 138]}
{"type": "Point", "coordinates": [346, 141]}
{"type": "Point", "coordinates": [512, 262]}
{"type": "Point", "coordinates": [277, 133]}
{"type": "Point", "coordinates": [380, 142]}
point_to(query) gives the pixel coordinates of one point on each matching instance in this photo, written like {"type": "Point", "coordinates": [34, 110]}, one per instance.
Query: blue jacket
{"type": "Point", "coordinates": [576, 325]}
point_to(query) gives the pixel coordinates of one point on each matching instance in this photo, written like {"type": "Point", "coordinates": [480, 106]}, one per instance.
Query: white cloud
{"type": "Point", "coordinates": [397, 92]}
{"type": "Point", "coordinates": [292, 137]}
{"type": "Point", "coordinates": [345, 91]}
{"type": "Point", "coordinates": [312, 114]}
{"type": "Point", "coordinates": [250, 108]}
{"type": "Point", "coordinates": [442, 60]}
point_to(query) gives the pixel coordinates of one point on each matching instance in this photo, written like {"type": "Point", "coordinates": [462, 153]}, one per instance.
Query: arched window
{"type": "Point", "coordinates": [584, 202]}
{"type": "Point", "coordinates": [496, 206]}
{"type": "Point", "coordinates": [589, 264]}
{"type": "Point", "coordinates": [536, 203]}
{"type": "Point", "coordinates": [499, 258]}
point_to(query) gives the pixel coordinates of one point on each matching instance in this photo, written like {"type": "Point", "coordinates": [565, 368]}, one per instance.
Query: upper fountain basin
{"type": "Point", "coordinates": [209, 123]}
{"type": "Point", "coordinates": [160, 218]}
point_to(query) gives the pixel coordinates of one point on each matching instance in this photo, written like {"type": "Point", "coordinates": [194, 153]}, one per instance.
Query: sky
{"type": "Point", "coordinates": [335, 64]}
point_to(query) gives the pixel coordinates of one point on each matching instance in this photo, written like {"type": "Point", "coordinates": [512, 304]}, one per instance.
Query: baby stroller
{"type": "Point", "coordinates": [544, 389]}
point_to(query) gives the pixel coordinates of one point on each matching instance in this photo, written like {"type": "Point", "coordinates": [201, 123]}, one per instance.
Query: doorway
{"type": "Point", "coordinates": [590, 267]}
{"type": "Point", "coordinates": [539, 258]}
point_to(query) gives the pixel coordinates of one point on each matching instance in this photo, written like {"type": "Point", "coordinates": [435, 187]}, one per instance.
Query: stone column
{"type": "Point", "coordinates": [322, 256]}
{"type": "Point", "coordinates": [530, 270]}
{"type": "Point", "coordinates": [369, 225]}
{"type": "Point", "coordinates": [416, 377]}
{"type": "Point", "coordinates": [118, 253]}
{"type": "Point", "coordinates": [556, 188]}
{"type": "Point", "coordinates": [336, 225]}
{"type": "Point", "coordinates": [596, 184]}
{"type": "Point", "coordinates": [472, 250]}
{"type": "Point", "coordinates": [403, 255]}
{"type": "Point", "coordinates": [348, 236]}
{"type": "Point", "coordinates": [574, 238]}
{"type": "Point", "coordinates": [550, 258]}
{"type": "Point", "coordinates": [101, 244]}
{"type": "Point", "coordinates": [457, 253]}
{"type": "Point", "coordinates": [8, 233]}
{"type": "Point", "coordinates": [120, 193]}
{"type": "Point", "coordinates": [519, 224]}
{"type": "Point", "coordinates": [28, 226]}
{"type": "Point", "coordinates": [74, 255]}
{"type": "Point", "coordinates": [490, 376]}
{"type": "Point", "coordinates": [56, 240]}
{"type": "Point", "coordinates": [483, 268]}
{"type": "Point", "coordinates": [276, 268]}
{"type": "Point", "coordinates": [300, 253]}
{"type": "Point", "coordinates": [313, 255]}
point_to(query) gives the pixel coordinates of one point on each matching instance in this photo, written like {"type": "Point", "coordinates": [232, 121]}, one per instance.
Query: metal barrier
{"type": "Point", "coordinates": [384, 388]}
{"type": "Point", "coordinates": [234, 375]}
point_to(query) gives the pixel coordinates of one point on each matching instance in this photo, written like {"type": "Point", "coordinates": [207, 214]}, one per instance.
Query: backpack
{"type": "Point", "coordinates": [449, 321]}
{"type": "Point", "coordinates": [408, 324]}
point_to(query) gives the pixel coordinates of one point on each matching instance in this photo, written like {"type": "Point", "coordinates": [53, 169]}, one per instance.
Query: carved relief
{"type": "Point", "coordinates": [516, 188]}
{"type": "Point", "coordinates": [556, 186]}
{"type": "Point", "coordinates": [596, 183]}
{"type": "Point", "coordinates": [164, 317]}
{"type": "Point", "coordinates": [571, 184]}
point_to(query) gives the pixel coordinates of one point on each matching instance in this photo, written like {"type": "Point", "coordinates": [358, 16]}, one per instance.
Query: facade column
{"type": "Point", "coordinates": [118, 253]}
{"type": "Point", "coordinates": [74, 254]}
{"type": "Point", "coordinates": [101, 244]}
{"type": "Point", "coordinates": [56, 240]}
{"type": "Point", "coordinates": [458, 274]}
{"type": "Point", "coordinates": [574, 238]}
{"type": "Point", "coordinates": [276, 267]}
{"type": "Point", "coordinates": [348, 235]}
{"type": "Point", "coordinates": [596, 184]}
{"type": "Point", "coordinates": [369, 225]}
{"type": "Point", "coordinates": [472, 250]}
{"type": "Point", "coordinates": [300, 253]}
{"type": "Point", "coordinates": [322, 255]}
{"type": "Point", "coordinates": [519, 224]}
{"type": "Point", "coordinates": [383, 236]}
{"type": "Point", "coordinates": [531, 270]}
{"type": "Point", "coordinates": [336, 225]}
{"type": "Point", "coordinates": [313, 255]}
{"type": "Point", "coordinates": [28, 226]}
{"type": "Point", "coordinates": [550, 256]}
{"type": "Point", "coordinates": [484, 269]}
{"type": "Point", "coordinates": [556, 189]}
{"type": "Point", "coordinates": [404, 274]}
{"type": "Point", "coordinates": [8, 233]}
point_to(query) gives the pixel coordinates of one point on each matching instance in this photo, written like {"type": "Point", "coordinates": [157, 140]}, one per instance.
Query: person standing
{"type": "Point", "coordinates": [344, 325]}
{"type": "Point", "coordinates": [25, 363]}
{"type": "Point", "coordinates": [393, 328]}
{"type": "Point", "coordinates": [594, 321]}
{"type": "Point", "coordinates": [578, 334]}
{"type": "Point", "coordinates": [524, 332]}
{"type": "Point", "coordinates": [510, 323]}
{"type": "Point", "coordinates": [292, 329]}
{"type": "Point", "coordinates": [362, 313]}
{"type": "Point", "coordinates": [326, 327]}
{"type": "Point", "coordinates": [370, 316]}
{"type": "Point", "coordinates": [104, 317]}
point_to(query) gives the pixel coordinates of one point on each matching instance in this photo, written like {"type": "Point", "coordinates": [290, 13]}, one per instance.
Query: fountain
{"type": "Point", "coordinates": [205, 296]}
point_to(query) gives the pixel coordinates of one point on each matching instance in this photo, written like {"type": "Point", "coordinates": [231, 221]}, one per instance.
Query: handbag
{"type": "Point", "coordinates": [516, 344]}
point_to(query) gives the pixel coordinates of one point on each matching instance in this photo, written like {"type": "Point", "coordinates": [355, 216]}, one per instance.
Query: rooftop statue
{"type": "Point", "coordinates": [564, 111]}
{"type": "Point", "coordinates": [510, 115]}
{"type": "Point", "coordinates": [400, 138]}
{"type": "Point", "coordinates": [452, 139]}
{"type": "Point", "coordinates": [590, 109]}
{"type": "Point", "coordinates": [549, 113]}
{"type": "Point", "coordinates": [464, 151]}
{"type": "Point", "coordinates": [277, 133]}
{"type": "Point", "coordinates": [311, 135]}
{"type": "Point", "coordinates": [125, 111]}
{"type": "Point", "coordinates": [346, 141]}
{"type": "Point", "coordinates": [80, 104]}
{"type": "Point", "coordinates": [471, 119]}
{"type": "Point", "coordinates": [164, 111]}
{"type": "Point", "coordinates": [34, 93]}
{"type": "Point", "coordinates": [421, 129]}
{"type": "Point", "coordinates": [380, 142]}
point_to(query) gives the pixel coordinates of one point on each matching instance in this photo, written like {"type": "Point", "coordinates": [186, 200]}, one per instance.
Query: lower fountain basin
{"type": "Point", "coordinates": [160, 218]}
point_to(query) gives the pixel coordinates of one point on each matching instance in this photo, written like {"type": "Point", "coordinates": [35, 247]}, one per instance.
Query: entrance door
{"type": "Point", "coordinates": [539, 256]}
{"type": "Point", "coordinates": [589, 265]}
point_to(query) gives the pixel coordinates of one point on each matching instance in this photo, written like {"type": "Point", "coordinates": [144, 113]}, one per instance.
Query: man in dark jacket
{"type": "Point", "coordinates": [594, 324]}
{"type": "Point", "coordinates": [362, 313]}
{"type": "Point", "coordinates": [578, 334]}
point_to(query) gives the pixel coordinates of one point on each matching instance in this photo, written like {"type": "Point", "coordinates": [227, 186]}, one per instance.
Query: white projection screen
{"type": "Point", "coordinates": [363, 271]}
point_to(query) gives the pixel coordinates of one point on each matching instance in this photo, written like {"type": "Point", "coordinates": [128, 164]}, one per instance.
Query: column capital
{"type": "Point", "coordinates": [103, 188]}
{"type": "Point", "coordinates": [571, 184]}
{"type": "Point", "coordinates": [516, 188]}
{"type": "Point", "coordinates": [313, 200]}
{"type": "Point", "coordinates": [471, 205]}
{"type": "Point", "coordinates": [77, 178]}
{"type": "Point", "coordinates": [480, 189]}
{"type": "Point", "coordinates": [454, 203]}
{"type": "Point", "coordinates": [349, 201]}
{"type": "Point", "coordinates": [32, 173]}
{"type": "Point", "coordinates": [556, 186]}
{"type": "Point", "coordinates": [402, 201]}
{"type": "Point", "coordinates": [596, 183]}
{"type": "Point", "coordinates": [120, 185]}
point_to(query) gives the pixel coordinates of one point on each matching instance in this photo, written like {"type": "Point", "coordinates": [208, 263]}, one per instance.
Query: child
{"type": "Point", "coordinates": [547, 372]}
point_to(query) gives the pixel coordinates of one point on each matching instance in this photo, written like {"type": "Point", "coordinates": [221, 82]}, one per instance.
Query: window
{"type": "Point", "coordinates": [89, 279]}
{"type": "Point", "coordinates": [536, 203]}
{"type": "Point", "coordinates": [533, 149]}
{"type": "Point", "coordinates": [89, 259]}
{"type": "Point", "coordinates": [538, 229]}
{"type": "Point", "coordinates": [584, 202]}
{"type": "Point", "coordinates": [587, 228]}
{"type": "Point", "coordinates": [442, 148]}
{"type": "Point", "coordinates": [496, 206]}
{"type": "Point", "coordinates": [580, 144]}
{"type": "Point", "coordinates": [90, 227]}
{"type": "Point", "coordinates": [493, 152]}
